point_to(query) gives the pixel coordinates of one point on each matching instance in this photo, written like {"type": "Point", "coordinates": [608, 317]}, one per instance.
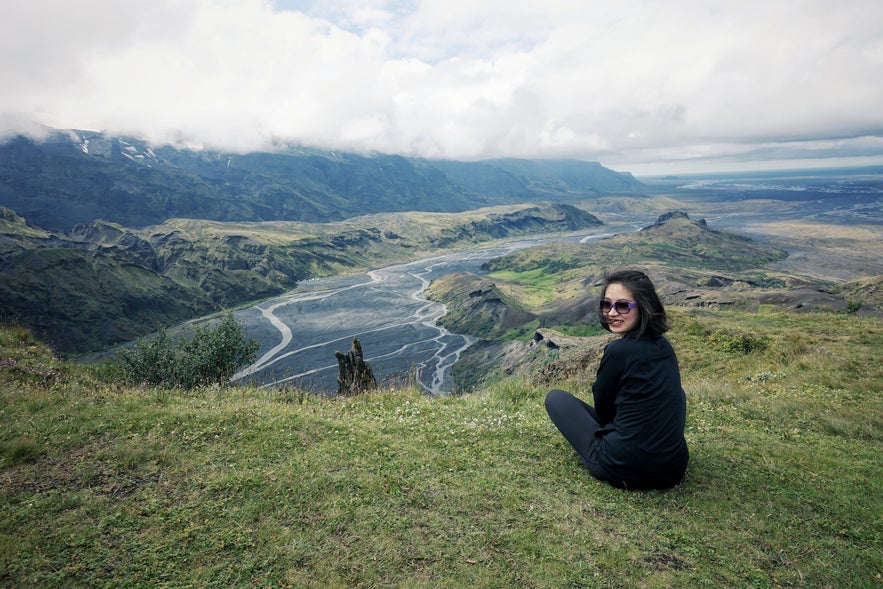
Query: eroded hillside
{"type": "Point", "coordinates": [104, 284]}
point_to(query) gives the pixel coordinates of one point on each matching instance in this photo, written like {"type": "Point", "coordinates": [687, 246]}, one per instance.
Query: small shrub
{"type": "Point", "coordinates": [736, 343]}
{"type": "Point", "coordinates": [151, 361]}
{"type": "Point", "coordinates": [211, 356]}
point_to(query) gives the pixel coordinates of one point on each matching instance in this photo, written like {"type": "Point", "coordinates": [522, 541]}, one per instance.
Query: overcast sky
{"type": "Point", "coordinates": [652, 86]}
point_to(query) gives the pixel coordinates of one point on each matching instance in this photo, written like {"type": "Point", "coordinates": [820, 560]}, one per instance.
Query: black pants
{"type": "Point", "coordinates": [578, 421]}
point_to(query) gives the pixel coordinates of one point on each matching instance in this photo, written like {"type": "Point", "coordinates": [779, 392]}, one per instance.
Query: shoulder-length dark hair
{"type": "Point", "coordinates": [653, 319]}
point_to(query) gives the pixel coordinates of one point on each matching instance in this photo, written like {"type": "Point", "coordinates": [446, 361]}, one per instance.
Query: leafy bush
{"type": "Point", "coordinates": [736, 343]}
{"type": "Point", "coordinates": [211, 356]}
{"type": "Point", "coordinates": [151, 361]}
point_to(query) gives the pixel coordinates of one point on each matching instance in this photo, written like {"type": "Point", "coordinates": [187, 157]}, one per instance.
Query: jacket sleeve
{"type": "Point", "coordinates": [607, 382]}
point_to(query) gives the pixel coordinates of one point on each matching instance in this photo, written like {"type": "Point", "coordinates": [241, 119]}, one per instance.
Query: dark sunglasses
{"type": "Point", "coordinates": [622, 307]}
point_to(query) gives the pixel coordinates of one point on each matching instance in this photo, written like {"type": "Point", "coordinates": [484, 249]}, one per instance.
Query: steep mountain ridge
{"type": "Point", "coordinates": [73, 177]}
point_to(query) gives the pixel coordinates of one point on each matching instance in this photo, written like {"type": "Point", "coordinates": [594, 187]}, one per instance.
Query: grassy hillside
{"type": "Point", "coordinates": [532, 302]}
{"type": "Point", "coordinates": [103, 486]}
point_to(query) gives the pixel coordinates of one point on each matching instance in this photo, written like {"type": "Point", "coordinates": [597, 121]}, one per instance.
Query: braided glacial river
{"type": "Point", "coordinates": [385, 309]}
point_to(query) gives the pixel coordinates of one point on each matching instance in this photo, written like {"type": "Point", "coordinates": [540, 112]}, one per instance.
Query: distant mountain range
{"type": "Point", "coordinates": [73, 177]}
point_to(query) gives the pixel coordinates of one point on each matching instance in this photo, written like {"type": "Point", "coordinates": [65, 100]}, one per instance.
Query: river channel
{"type": "Point", "coordinates": [384, 308]}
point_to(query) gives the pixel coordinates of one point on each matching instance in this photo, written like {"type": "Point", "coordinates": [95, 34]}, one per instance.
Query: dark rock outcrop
{"type": "Point", "coordinates": [355, 376]}
{"type": "Point", "coordinates": [665, 217]}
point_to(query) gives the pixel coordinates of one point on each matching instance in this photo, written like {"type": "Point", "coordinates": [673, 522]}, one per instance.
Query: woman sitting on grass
{"type": "Point", "coordinates": [633, 438]}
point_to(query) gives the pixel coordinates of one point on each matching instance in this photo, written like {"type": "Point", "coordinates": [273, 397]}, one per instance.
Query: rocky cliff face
{"type": "Point", "coordinates": [537, 219]}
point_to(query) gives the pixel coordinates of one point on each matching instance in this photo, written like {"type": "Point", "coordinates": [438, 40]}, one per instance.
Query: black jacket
{"type": "Point", "coordinates": [643, 410]}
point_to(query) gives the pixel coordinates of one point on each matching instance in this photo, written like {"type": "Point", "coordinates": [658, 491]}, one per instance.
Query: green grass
{"type": "Point", "coordinates": [102, 486]}
{"type": "Point", "coordinates": [537, 283]}
{"type": "Point", "coordinates": [538, 286]}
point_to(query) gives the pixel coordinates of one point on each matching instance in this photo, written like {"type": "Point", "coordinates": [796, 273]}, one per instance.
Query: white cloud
{"type": "Point", "coordinates": [637, 84]}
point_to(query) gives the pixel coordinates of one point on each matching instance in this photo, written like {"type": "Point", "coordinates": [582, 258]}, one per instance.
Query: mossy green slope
{"type": "Point", "coordinates": [477, 306]}
{"type": "Point", "coordinates": [103, 486]}
{"type": "Point", "coordinates": [74, 298]}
